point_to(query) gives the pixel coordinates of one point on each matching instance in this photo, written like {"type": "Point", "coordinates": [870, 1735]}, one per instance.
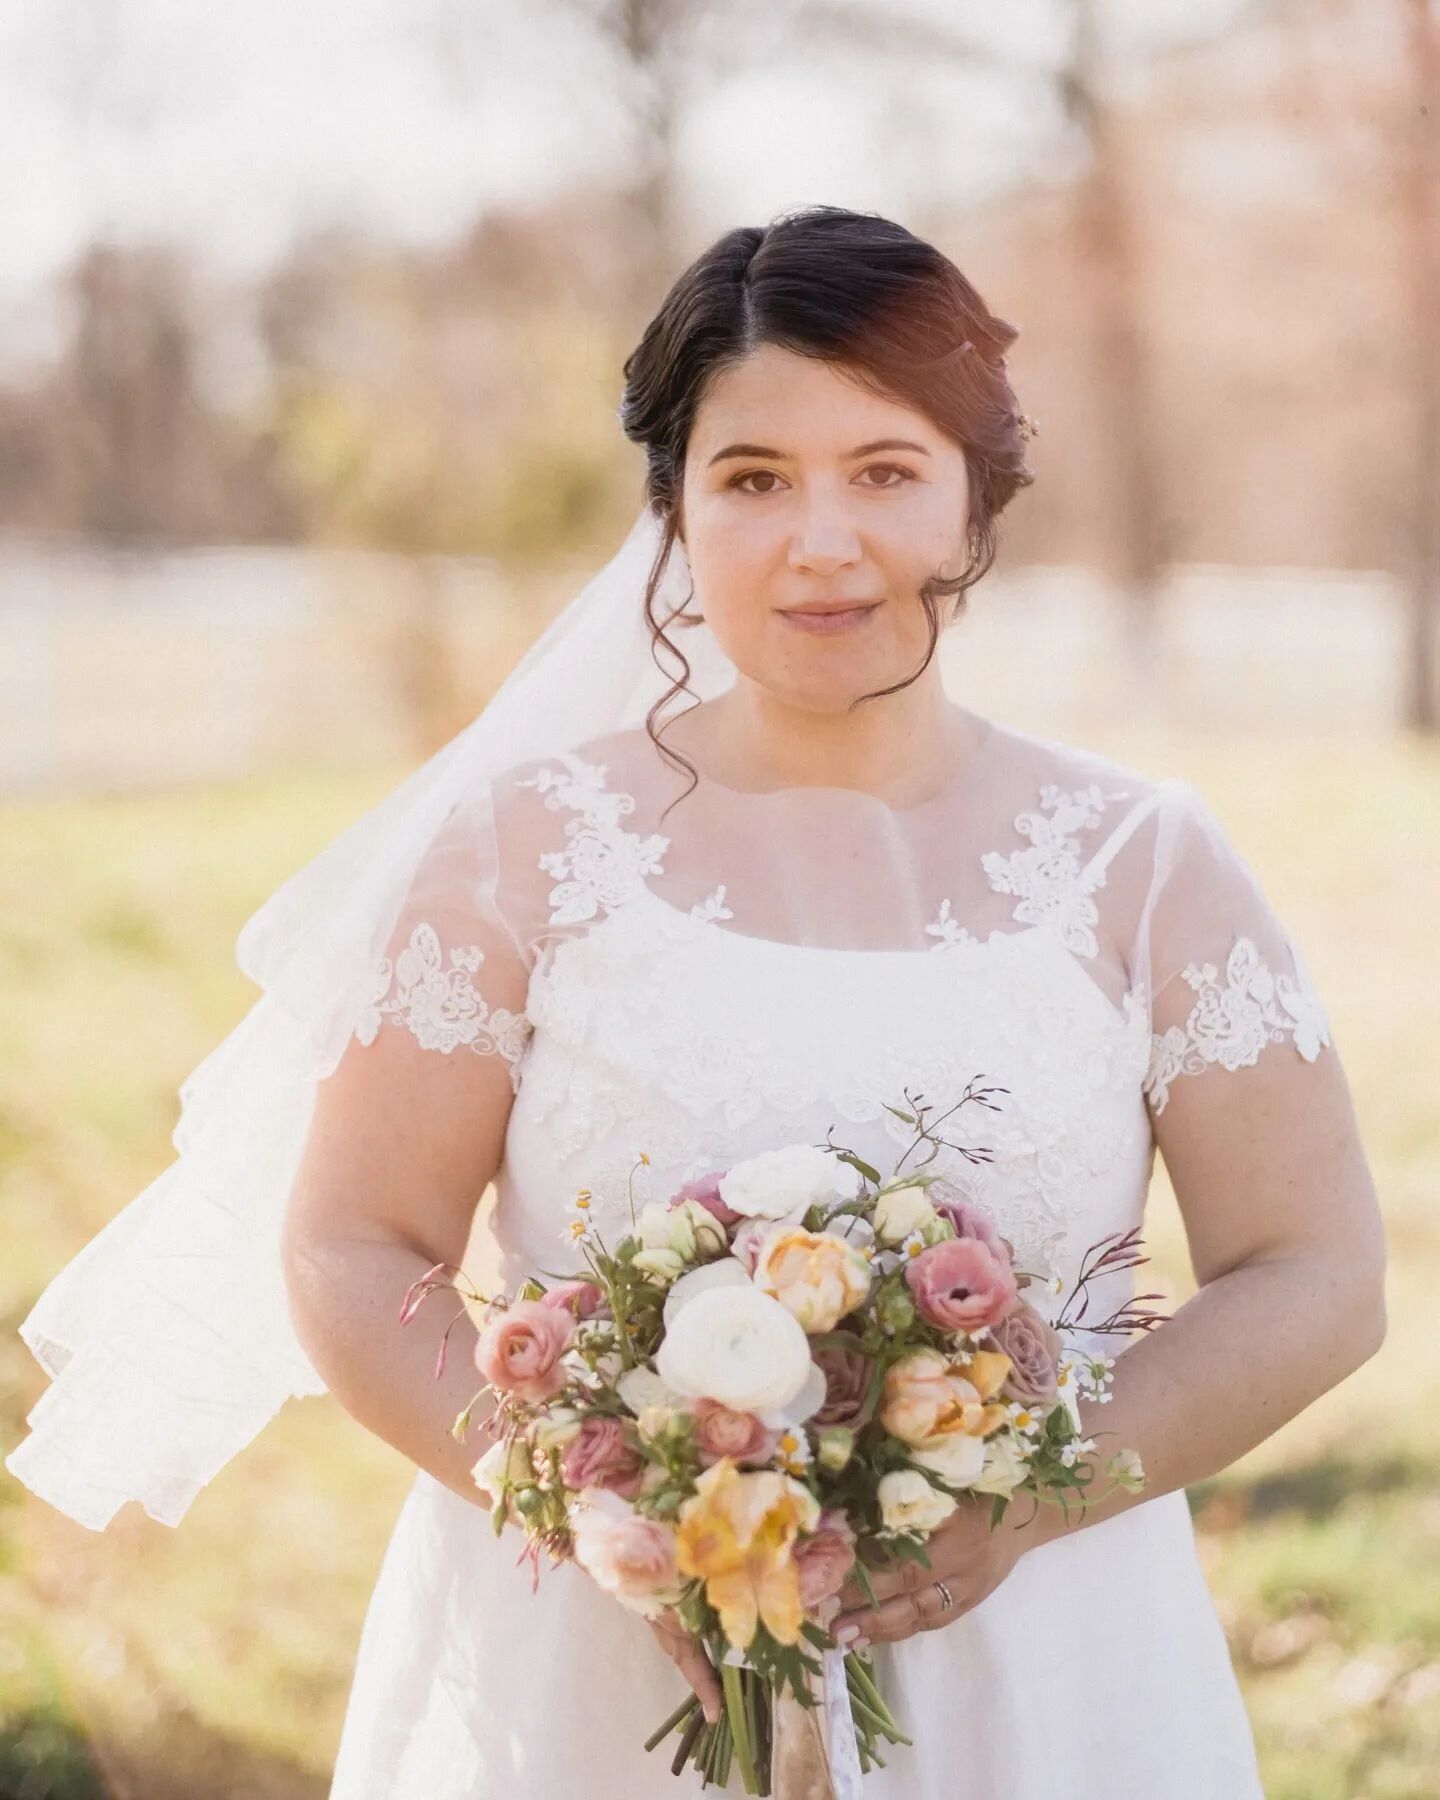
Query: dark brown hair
{"type": "Point", "coordinates": [849, 288]}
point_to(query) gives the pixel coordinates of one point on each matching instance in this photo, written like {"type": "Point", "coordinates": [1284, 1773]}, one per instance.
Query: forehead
{"type": "Point", "coordinates": [797, 405]}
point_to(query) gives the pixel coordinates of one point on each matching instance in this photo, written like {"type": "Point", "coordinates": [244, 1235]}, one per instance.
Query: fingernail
{"type": "Point", "coordinates": [861, 1643]}
{"type": "Point", "coordinates": [828, 1609]}
{"type": "Point", "coordinates": [846, 1634]}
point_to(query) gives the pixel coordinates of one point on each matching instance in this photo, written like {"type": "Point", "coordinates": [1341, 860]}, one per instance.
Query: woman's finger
{"type": "Point", "coordinates": [897, 1618]}
{"type": "Point", "coordinates": [693, 1663]}
{"type": "Point", "coordinates": [895, 1583]}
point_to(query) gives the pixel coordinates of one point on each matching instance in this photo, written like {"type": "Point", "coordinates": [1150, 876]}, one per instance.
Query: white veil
{"type": "Point", "coordinates": [168, 1338]}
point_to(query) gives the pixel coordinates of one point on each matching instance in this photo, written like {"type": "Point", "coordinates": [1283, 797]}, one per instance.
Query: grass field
{"type": "Point", "coordinates": [214, 1660]}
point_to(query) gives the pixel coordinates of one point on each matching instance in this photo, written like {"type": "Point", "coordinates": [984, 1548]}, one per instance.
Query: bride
{"type": "Point", "coordinates": [590, 951]}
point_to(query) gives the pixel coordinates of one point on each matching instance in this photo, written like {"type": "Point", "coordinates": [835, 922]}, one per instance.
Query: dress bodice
{"type": "Point", "coordinates": [659, 1032]}
{"type": "Point", "coordinates": [1035, 953]}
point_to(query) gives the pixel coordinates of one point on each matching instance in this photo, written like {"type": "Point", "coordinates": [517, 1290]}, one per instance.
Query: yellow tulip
{"type": "Point", "coordinates": [735, 1533]}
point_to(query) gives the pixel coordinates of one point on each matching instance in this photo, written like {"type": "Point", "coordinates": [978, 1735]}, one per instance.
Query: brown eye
{"type": "Point", "coordinates": [894, 469]}
{"type": "Point", "coordinates": [749, 475]}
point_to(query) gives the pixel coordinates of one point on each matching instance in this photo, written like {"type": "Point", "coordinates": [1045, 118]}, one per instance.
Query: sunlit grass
{"type": "Point", "coordinates": [215, 1659]}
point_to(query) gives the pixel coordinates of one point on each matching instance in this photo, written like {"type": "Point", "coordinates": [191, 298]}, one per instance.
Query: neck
{"type": "Point", "coordinates": [900, 748]}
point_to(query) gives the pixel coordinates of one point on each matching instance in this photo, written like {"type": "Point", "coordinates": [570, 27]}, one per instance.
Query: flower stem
{"type": "Point", "coordinates": [685, 1707]}
{"type": "Point", "coordinates": [687, 1740]}
{"type": "Point", "coordinates": [738, 1721]}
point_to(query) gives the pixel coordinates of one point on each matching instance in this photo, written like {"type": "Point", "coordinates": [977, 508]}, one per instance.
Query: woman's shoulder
{"type": "Point", "coordinates": [1041, 767]}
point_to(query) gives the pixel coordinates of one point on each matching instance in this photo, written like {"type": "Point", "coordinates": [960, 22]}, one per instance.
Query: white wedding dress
{"type": "Point", "coordinates": [765, 968]}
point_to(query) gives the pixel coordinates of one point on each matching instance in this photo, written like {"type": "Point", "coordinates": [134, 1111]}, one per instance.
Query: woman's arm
{"type": "Point", "coordinates": [1287, 1246]}
{"type": "Point", "coordinates": [403, 1143]}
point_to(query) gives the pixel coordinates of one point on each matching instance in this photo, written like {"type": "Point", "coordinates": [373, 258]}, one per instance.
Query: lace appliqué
{"type": "Point", "coordinates": [440, 1006]}
{"type": "Point", "coordinates": [712, 907]}
{"type": "Point", "coordinates": [1048, 876]}
{"type": "Point", "coordinates": [1231, 1025]}
{"type": "Point", "coordinates": [949, 930]}
{"type": "Point", "coordinates": [603, 863]}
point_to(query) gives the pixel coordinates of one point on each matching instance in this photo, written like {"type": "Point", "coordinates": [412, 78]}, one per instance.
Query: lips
{"type": "Point", "coordinates": [823, 618]}
{"type": "Point", "coordinates": [810, 607]}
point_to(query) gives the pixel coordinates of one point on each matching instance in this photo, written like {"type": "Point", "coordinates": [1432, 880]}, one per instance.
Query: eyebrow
{"type": "Point", "coordinates": [779, 455]}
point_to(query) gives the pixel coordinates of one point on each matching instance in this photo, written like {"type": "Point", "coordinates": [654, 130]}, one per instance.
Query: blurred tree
{"type": "Point", "coordinates": [1109, 255]}
{"type": "Point", "coordinates": [118, 438]}
{"type": "Point", "coordinates": [1421, 178]}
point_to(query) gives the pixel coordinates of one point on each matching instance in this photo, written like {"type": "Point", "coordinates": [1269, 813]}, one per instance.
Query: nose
{"type": "Point", "coordinates": [824, 539]}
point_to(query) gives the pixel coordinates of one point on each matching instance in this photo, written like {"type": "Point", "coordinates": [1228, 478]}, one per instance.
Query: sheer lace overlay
{"type": "Point", "coordinates": [699, 982]}
{"type": "Point", "coordinates": [435, 983]}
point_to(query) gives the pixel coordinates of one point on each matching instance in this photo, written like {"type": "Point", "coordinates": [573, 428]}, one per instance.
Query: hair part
{"type": "Point", "coordinates": [853, 289]}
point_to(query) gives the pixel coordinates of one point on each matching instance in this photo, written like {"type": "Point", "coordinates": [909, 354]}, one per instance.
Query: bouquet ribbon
{"type": "Point", "coordinates": [815, 1756]}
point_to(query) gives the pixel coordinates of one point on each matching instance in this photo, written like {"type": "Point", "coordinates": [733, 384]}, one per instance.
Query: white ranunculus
{"type": "Point", "coordinates": [667, 1228]}
{"type": "Point", "coordinates": [641, 1387]}
{"type": "Point", "coordinates": [850, 1226]}
{"type": "Point", "coordinates": [957, 1457]}
{"type": "Point", "coordinates": [909, 1503]}
{"type": "Point", "coordinates": [504, 1460]}
{"type": "Point", "coordinates": [1005, 1466]}
{"type": "Point", "coordinates": [664, 1265]}
{"type": "Point", "coordinates": [784, 1183]}
{"type": "Point", "coordinates": [728, 1271]}
{"type": "Point", "coordinates": [557, 1428]}
{"type": "Point", "coordinates": [738, 1346]}
{"type": "Point", "coordinates": [608, 1365]}
{"type": "Point", "coordinates": [804, 1406]}
{"type": "Point", "coordinates": [709, 1234]}
{"type": "Point", "coordinates": [901, 1211]}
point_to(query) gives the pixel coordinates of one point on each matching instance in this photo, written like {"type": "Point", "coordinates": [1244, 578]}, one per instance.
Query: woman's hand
{"type": "Point", "coordinates": [965, 1553]}
{"type": "Point", "coordinates": [690, 1657]}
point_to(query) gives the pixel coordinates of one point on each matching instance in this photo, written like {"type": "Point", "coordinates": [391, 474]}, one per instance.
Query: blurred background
{"type": "Point", "coordinates": [311, 326]}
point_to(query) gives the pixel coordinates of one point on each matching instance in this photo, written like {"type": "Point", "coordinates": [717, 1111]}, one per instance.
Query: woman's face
{"type": "Point", "coordinates": [801, 487]}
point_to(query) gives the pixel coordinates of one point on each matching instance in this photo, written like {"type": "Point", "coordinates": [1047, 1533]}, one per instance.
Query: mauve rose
{"type": "Point", "coordinates": [705, 1191]}
{"type": "Point", "coordinates": [1033, 1346]}
{"type": "Point", "coordinates": [519, 1350]}
{"type": "Point", "coordinates": [960, 1284]}
{"type": "Point", "coordinates": [847, 1378]}
{"type": "Point", "coordinates": [825, 1558]}
{"type": "Point", "coordinates": [722, 1431]}
{"type": "Point", "coordinates": [600, 1457]}
{"type": "Point", "coordinates": [582, 1298]}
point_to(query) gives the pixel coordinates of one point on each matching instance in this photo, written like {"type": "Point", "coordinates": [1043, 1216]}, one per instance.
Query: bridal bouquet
{"type": "Point", "coordinates": [784, 1376]}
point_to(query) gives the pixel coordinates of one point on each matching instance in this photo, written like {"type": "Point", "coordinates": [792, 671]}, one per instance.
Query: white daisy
{"type": "Point", "coordinates": [793, 1451]}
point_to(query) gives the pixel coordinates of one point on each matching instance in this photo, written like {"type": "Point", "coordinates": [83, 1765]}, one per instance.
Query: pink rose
{"type": "Point", "coordinates": [705, 1191]}
{"type": "Point", "coordinates": [960, 1284]}
{"type": "Point", "coordinates": [519, 1351]}
{"type": "Point", "coordinates": [825, 1558]}
{"type": "Point", "coordinates": [722, 1431]}
{"type": "Point", "coordinates": [600, 1457]}
{"type": "Point", "coordinates": [969, 1219]}
{"type": "Point", "coordinates": [847, 1380]}
{"type": "Point", "coordinates": [631, 1556]}
{"type": "Point", "coordinates": [582, 1298]}
{"type": "Point", "coordinates": [1033, 1346]}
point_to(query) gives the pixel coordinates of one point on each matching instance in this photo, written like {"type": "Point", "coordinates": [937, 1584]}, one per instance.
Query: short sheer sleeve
{"type": "Point", "coordinates": [1226, 980]}
{"type": "Point", "coordinates": [456, 970]}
